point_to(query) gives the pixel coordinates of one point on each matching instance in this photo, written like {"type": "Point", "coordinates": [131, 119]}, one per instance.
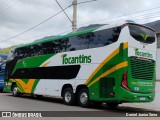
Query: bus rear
{"type": "Point", "coordinates": [138, 80]}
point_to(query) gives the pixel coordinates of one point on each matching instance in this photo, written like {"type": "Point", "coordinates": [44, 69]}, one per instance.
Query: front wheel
{"type": "Point", "coordinates": [15, 92]}
{"type": "Point", "coordinates": [83, 98]}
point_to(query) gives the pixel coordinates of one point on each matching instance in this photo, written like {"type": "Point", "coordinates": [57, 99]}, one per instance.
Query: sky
{"type": "Point", "coordinates": [17, 16]}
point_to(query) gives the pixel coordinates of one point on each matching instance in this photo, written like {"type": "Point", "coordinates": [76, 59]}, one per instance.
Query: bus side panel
{"type": "Point", "coordinates": [103, 84]}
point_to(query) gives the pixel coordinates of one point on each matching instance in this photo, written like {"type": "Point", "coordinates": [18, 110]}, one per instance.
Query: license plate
{"type": "Point", "coordinates": [142, 98]}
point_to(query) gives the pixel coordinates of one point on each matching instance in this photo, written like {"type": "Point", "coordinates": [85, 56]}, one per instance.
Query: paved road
{"type": "Point", "coordinates": [28, 103]}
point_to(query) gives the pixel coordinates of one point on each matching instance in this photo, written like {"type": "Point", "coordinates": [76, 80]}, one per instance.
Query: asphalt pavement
{"type": "Point", "coordinates": [56, 108]}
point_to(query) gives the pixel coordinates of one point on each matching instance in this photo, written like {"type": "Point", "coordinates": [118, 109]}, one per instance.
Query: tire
{"type": "Point", "coordinates": [69, 96]}
{"type": "Point", "coordinates": [112, 105]}
{"type": "Point", "coordinates": [15, 92]}
{"type": "Point", "coordinates": [83, 98]}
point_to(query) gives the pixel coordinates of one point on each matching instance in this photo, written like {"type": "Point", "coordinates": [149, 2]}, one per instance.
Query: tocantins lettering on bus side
{"type": "Point", "coordinates": [143, 54]}
{"type": "Point", "coordinates": [76, 59]}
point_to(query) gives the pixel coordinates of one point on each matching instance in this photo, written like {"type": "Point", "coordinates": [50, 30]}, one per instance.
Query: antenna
{"type": "Point", "coordinates": [63, 11]}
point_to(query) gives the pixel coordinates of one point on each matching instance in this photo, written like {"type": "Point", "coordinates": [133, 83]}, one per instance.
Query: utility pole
{"type": "Point", "coordinates": [74, 22]}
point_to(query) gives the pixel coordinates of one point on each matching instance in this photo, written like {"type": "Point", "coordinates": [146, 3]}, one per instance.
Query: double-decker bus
{"type": "Point", "coordinates": [3, 58]}
{"type": "Point", "coordinates": [110, 64]}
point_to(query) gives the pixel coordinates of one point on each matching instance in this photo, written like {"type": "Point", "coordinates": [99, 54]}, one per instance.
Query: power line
{"type": "Point", "coordinates": [63, 11]}
{"type": "Point", "coordinates": [140, 19]}
{"type": "Point", "coordinates": [86, 1]}
{"type": "Point", "coordinates": [122, 15]}
{"type": "Point", "coordinates": [147, 18]}
{"type": "Point", "coordinates": [148, 15]}
{"type": "Point", "coordinates": [7, 5]}
{"type": "Point", "coordinates": [36, 25]}
{"type": "Point", "coordinates": [68, 30]}
{"type": "Point", "coordinates": [4, 3]}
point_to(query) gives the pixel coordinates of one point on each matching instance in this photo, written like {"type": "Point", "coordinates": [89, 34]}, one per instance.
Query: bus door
{"type": "Point", "coordinates": [108, 84]}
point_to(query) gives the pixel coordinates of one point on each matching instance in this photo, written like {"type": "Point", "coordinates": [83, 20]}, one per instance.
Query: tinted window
{"type": "Point", "coordinates": [94, 39]}
{"type": "Point", "coordinates": [43, 48]}
{"type": "Point", "coordinates": [105, 37]}
{"type": "Point", "coordinates": [54, 72]}
{"type": "Point", "coordinates": [80, 42]}
{"type": "Point", "coordinates": [142, 34]}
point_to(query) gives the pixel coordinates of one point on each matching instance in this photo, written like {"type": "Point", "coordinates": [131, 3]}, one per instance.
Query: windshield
{"type": "Point", "coordinates": [142, 34]}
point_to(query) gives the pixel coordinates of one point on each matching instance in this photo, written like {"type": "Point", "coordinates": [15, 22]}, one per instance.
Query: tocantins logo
{"type": "Point", "coordinates": [143, 54]}
{"type": "Point", "coordinates": [75, 60]}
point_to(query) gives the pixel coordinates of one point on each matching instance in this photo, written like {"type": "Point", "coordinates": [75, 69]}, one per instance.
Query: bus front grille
{"type": "Point", "coordinates": [141, 69]}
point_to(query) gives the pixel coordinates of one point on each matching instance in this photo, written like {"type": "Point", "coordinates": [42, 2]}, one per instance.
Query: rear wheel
{"type": "Point", "coordinates": [83, 98]}
{"type": "Point", "coordinates": [68, 96]}
{"type": "Point", "coordinates": [15, 92]}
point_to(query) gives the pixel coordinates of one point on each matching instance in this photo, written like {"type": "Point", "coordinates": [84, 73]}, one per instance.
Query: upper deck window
{"type": "Point", "coordinates": [79, 42]}
{"type": "Point", "coordinates": [142, 34]}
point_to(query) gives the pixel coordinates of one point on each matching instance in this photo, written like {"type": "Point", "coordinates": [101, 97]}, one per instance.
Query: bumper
{"type": "Point", "coordinates": [126, 96]}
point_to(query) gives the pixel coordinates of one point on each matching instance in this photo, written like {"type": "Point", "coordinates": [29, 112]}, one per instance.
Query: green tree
{"type": "Point", "coordinates": [6, 50]}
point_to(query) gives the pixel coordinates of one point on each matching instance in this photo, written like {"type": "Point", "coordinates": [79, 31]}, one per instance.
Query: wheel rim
{"type": "Point", "coordinates": [84, 98]}
{"type": "Point", "coordinates": [15, 90]}
{"type": "Point", "coordinates": [68, 96]}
